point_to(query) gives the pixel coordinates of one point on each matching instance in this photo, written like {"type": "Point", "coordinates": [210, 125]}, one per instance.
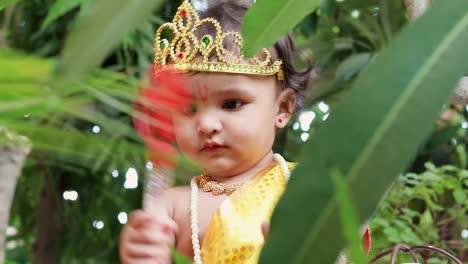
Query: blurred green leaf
{"type": "Point", "coordinates": [426, 219]}
{"type": "Point", "coordinates": [5, 3]}
{"type": "Point", "coordinates": [59, 8]}
{"type": "Point", "coordinates": [267, 21]}
{"type": "Point", "coordinates": [404, 218]}
{"type": "Point", "coordinates": [459, 196]}
{"type": "Point", "coordinates": [327, 7]}
{"type": "Point", "coordinates": [361, 3]}
{"type": "Point", "coordinates": [99, 30]}
{"type": "Point", "coordinates": [351, 66]}
{"type": "Point", "coordinates": [381, 135]}
{"type": "Point", "coordinates": [178, 258]}
{"type": "Point", "coordinates": [349, 219]}
{"type": "Point", "coordinates": [24, 84]}
{"type": "Point", "coordinates": [26, 95]}
{"type": "Point", "coordinates": [461, 151]}
{"type": "Point", "coordinates": [18, 67]}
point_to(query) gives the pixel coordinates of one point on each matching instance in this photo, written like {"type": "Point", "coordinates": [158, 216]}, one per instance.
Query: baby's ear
{"type": "Point", "coordinates": [286, 104]}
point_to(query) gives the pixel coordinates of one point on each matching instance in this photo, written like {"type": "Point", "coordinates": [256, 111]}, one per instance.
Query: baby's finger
{"type": "Point", "coordinates": [147, 252]}
{"type": "Point", "coordinates": [154, 236]}
{"type": "Point", "coordinates": [152, 260]}
{"type": "Point", "coordinates": [131, 260]}
{"type": "Point", "coordinates": [141, 218]}
{"type": "Point", "coordinates": [160, 219]}
{"type": "Point", "coordinates": [168, 224]}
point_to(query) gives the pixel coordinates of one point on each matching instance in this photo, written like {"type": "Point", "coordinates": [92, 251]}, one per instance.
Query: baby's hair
{"type": "Point", "coordinates": [230, 14]}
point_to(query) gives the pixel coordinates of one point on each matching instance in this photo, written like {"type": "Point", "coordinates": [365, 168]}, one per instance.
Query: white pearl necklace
{"type": "Point", "coordinates": [194, 208]}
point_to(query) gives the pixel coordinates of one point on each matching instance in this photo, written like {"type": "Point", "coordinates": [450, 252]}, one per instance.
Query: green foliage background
{"type": "Point", "coordinates": [342, 37]}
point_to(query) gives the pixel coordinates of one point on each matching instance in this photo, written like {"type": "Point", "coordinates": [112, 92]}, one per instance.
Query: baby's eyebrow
{"type": "Point", "coordinates": [232, 91]}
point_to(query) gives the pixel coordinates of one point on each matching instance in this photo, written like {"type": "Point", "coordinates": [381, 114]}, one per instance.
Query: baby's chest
{"type": "Point", "coordinates": [208, 204]}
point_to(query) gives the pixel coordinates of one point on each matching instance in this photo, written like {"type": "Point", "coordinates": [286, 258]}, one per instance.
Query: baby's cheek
{"type": "Point", "coordinates": [246, 134]}
{"type": "Point", "coordinates": [256, 134]}
{"type": "Point", "coordinates": [184, 135]}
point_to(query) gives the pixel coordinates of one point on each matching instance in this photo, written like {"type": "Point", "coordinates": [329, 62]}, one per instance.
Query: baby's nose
{"type": "Point", "coordinates": [208, 122]}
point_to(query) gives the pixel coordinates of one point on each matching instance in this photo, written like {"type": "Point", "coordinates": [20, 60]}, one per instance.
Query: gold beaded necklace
{"type": "Point", "coordinates": [207, 184]}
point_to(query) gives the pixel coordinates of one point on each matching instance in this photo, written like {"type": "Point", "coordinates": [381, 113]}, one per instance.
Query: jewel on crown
{"type": "Point", "coordinates": [187, 52]}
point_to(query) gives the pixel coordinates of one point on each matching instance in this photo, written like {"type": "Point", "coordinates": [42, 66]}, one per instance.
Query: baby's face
{"type": "Point", "coordinates": [232, 123]}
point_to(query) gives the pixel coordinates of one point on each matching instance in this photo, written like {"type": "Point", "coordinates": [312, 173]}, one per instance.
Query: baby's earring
{"type": "Point", "coordinates": [279, 122]}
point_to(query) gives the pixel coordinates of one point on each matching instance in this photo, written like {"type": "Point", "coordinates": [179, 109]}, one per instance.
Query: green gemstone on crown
{"type": "Point", "coordinates": [206, 40]}
{"type": "Point", "coordinates": [163, 43]}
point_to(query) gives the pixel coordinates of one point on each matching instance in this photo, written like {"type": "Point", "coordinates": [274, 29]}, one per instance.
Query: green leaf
{"type": "Point", "coordinates": [362, 3]}
{"type": "Point", "coordinates": [99, 30]}
{"type": "Point", "coordinates": [18, 67]}
{"type": "Point", "coordinates": [178, 258]}
{"type": "Point", "coordinates": [81, 148]}
{"type": "Point", "coordinates": [5, 3]}
{"type": "Point", "coordinates": [327, 7]}
{"type": "Point", "coordinates": [267, 21]}
{"type": "Point", "coordinates": [460, 196]}
{"type": "Point", "coordinates": [371, 135]}
{"type": "Point", "coordinates": [461, 151]}
{"type": "Point", "coordinates": [24, 83]}
{"type": "Point", "coordinates": [426, 219]}
{"type": "Point", "coordinates": [58, 9]}
{"type": "Point", "coordinates": [351, 66]}
{"type": "Point", "coordinates": [9, 138]}
{"type": "Point", "coordinates": [430, 166]}
{"type": "Point", "coordinates": [349, 218]}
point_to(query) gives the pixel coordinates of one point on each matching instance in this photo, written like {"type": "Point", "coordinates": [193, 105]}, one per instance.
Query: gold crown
{"type": "Point", "coordinates": [185, 46]}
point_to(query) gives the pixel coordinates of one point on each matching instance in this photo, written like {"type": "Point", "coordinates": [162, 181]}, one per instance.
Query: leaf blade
{"type": "Point", "coordinates": [58, 9]}
{"type": "Point", "coordinates": [98, 30]}
{"type": "Point", "coordinates": [5, 3]}
{"type": "Point", "coordinates": [260, 29]}
{"type": "Point", "coordinates": [427, 69]}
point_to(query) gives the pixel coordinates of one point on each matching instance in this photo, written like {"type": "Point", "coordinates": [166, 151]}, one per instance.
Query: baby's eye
{"type": "Point", "coordinates": [190, 109]}
{"type": "Point", "coordinates": [232, 104]}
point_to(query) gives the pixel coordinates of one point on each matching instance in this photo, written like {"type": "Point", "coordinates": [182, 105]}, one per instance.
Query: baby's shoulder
{"type": "Point", "coordinates": [177, 191]}
{"type": "Point", "coordinates": [179, 195]}
{"type": "Point", "coordinates": [180, 200]}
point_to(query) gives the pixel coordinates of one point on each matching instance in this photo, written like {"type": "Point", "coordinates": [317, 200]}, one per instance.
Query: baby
{"type": "Point", "coordinates": [229, 132]}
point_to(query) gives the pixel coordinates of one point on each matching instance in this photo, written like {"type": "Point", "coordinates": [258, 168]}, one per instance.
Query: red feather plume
{"type": "Point", "coordinates": [168, 93]}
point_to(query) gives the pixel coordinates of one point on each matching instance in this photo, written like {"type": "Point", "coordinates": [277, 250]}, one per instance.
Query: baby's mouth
{"type": "Point", "coordinates": [212, 147]}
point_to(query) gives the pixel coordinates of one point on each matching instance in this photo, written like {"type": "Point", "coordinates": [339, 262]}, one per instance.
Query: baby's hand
{"type": "Point", "coordinates": [147, 238]}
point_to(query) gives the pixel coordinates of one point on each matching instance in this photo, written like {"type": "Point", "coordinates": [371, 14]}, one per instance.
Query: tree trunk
{"type": "Point", "coordinates": [49, 221]}
{"type": "Point", "coordinates": [13, 151]}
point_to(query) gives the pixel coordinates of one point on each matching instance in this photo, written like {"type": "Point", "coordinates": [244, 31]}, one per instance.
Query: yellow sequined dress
{"type": "Point", "coordinates": [234, 233]}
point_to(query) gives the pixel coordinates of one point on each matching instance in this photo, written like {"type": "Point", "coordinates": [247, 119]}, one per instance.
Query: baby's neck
{"type": "Point", "coordinates": [266, 160]}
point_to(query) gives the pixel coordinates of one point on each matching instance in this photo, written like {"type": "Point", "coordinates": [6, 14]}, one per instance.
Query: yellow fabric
{"type": "Point", "coordinates": [234, 233]}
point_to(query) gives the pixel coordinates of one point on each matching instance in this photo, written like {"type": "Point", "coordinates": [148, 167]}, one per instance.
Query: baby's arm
{"type": "Point", "coordinates": [149, 235]}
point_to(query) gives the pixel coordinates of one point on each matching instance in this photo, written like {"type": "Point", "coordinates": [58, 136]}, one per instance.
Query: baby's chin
{"type": "Point", "coordinates": [220, 167]}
